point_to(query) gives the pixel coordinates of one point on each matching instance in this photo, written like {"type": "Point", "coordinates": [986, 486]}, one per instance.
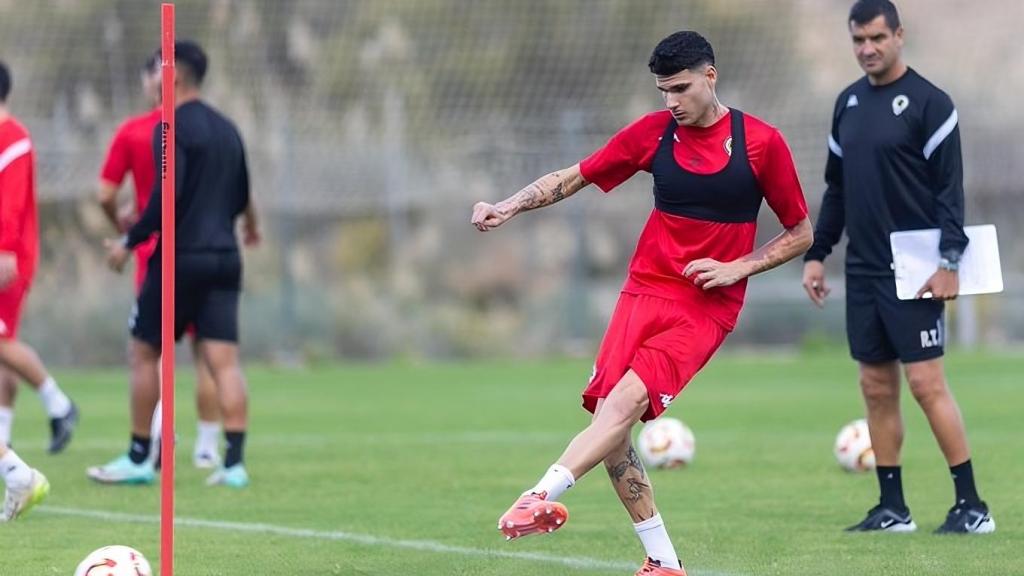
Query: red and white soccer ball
{"type": "Point", "coordinates": [666, 443]}
{"type": "Point", "coordinates": [114, 561]}
{"type": "Point", "coordinates": [853, 447]}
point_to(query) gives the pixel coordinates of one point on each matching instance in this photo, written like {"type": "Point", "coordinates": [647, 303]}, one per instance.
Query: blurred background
{"type": "Point", "coordinates": [373, 126]}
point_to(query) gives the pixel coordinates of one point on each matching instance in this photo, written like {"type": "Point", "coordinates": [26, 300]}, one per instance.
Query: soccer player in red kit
{"type": "Point", "coordinates": [131, 150]}
{"type": "Point", "coordinates": [19, 249]}
{"type": "Point", "coordinates": [711, 167]}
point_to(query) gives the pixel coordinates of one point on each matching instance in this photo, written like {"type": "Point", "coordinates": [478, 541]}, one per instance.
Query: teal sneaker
{"type": "Point", "coordinates": [123, 471]}
{"type": "Point", "coordinates": [19, 501]}
{"type": "Point", "coordinates": [233, 477]}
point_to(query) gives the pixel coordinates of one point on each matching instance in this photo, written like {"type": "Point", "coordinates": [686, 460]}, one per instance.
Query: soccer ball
{"type": "Point", "coordinates": [114, 561]}
{"type": "Point", "coordinates": [666, 443]}
{"type": "Point", "coordinates": [853, 447]}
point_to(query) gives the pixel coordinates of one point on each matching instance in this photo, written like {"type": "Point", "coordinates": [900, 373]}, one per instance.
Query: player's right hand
{"type": "Point", "coordinates": [814, 282]}
{"type": "Point", "coordinates": [488, 216]}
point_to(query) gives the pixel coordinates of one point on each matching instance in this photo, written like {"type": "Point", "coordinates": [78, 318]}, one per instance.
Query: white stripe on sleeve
{"type": "Point", "coordinates": [834, 146]}
{"type": "Point", "coordinates": [14, 151]}
{"type": "Point", "coordinates": [945, 130]}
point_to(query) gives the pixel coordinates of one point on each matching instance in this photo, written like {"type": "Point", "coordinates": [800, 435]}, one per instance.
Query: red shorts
{"type": "Point", "coordinates": [11, 300]}
{"type": "Point", "coordinates": [666, 342]}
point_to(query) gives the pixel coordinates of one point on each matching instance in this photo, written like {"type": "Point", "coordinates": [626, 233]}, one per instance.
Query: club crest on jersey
{"type": "Point", "coordinates": [852, 101]}
{"type": "Point", "coordinates": [899, 104]}
{"type": "Point", "coordinates": [728, 145]}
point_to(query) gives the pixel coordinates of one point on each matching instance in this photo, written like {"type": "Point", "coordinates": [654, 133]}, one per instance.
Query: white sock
{"type": "Point", "coordinates": [16, 473]}
{"type": "Point", "coordinates": [155, 430]}
{"type": "Point", "coordinates": [56, 403]}
{"type": "Point", "coordinates": [656, 542]}
{"type": "Point", "coordinates": [207, 435]}
{"type": "Point", "coordinates": [6, 421]}
{"type": "Point", "coordinates": [555, 482]}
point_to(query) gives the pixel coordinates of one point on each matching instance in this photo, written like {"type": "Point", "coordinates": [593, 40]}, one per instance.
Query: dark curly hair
{"type": "Point", "coordinates": [685, 50]}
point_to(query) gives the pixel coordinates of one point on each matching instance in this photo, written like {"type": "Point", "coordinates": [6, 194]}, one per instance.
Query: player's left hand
{"type": "Point", "coordinates": [943, 285]}
{"type": "Point", "coordinates": [8, 268]}
{"type": "Point", "coordinates": [117, 254]}
{"type": "Point", "coordinates": [709, 273]}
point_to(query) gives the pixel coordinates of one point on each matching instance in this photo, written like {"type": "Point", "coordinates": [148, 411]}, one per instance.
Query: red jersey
{"type": "Point", "coordinates": [669, 242]}
{"type": "Point", "coordinates": [131, 150]}
{"type": "Point", "coordinates": [19, 231]}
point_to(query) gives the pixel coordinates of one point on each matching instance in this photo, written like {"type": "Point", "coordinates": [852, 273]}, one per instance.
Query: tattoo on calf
{"type": "Point", "coordinates": [636, 489]}
{"type": "Point", "coordinates": [632, 460]}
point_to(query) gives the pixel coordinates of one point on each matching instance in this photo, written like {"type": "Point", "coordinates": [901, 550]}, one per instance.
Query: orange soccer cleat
{"type": "Point", "coordinates": [532, 514]}
{"type": "Point", "coordinates": [650, 568]}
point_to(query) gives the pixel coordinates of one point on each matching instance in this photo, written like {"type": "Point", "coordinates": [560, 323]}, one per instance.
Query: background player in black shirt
{"type": "Point", "coordinates": [894, 163]}
{"type": "Point", "coordinates": [212, 192]}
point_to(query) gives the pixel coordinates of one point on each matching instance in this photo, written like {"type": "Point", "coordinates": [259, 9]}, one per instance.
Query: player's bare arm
{"type": "Point", "coordinates": [547, 190]}
{"type": "Point", "coordinates": [107, 196]}
{"type": "Point", "coordinates": [792, 242]}
{"type": "Point", "coordinates": [8, 268]}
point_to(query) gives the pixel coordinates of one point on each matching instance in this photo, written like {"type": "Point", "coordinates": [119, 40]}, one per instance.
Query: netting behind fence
{"type": "Point", "coordinates": [373, 125]}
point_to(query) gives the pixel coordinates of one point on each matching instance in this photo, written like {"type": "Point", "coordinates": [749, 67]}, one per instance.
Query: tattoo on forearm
{"type": "Point", "coordinates": [547, 190]}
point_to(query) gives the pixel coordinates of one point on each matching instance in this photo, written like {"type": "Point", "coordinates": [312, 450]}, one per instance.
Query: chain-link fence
{"type": "Point", "coordinates": [373, 125]}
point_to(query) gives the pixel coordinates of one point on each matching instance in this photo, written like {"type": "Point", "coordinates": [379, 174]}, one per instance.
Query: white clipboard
{"type": "Point", "coordinates": [915, 256]}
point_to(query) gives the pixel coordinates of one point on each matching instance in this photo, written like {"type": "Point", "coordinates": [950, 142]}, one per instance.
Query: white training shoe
{"type": "Point", "coordinates": [18, 502]}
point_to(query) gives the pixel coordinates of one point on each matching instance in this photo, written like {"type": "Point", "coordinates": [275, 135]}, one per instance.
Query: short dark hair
{"type": "Point", "coordinates": [189, 56]}
{"type": "Point", "coordinates": [153, 63]}
{"type": "Point", "coordinates": [5, 82]}
{"type": "Point", "coordinates": [864, 11]}
{"type": "Point", "coordinates": [685, 50]}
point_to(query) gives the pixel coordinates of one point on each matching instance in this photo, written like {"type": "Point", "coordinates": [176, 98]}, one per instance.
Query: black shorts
{"type": "Point", "coordinates": [881, 328]}
{"type": "Point", "coordinates": [207, 287]}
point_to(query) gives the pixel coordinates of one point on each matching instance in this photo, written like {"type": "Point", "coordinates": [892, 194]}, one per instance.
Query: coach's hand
{"type": "Point", "coordinates": [488, 216]}
{"type": "Point", "coordinates": [814, 282]}
{"type": "Point", "coordinates": [117, 254]}
{"type": "Point", "coordinates": [709, 273]}
{"type": "Point", "coordinates": [8, 268]}
{"type": "Point", "coordinates": [943, 285]}
{"type": "Point", "coordinates": [251, 235]}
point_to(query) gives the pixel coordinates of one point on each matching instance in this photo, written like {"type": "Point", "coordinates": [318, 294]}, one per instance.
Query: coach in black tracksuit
{"type": "Point", "coordinates": [212, 192]}
{"type": "Point", "coordinates": [894, 163]}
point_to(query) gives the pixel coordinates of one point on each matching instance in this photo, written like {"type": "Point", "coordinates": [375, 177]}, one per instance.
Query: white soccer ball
{"type": "Point", "coordinates": [853, 447]}
{"type": "Point", "coordinates": [114, 561]}
{"type": "Point", "coordinates": [666, 443]}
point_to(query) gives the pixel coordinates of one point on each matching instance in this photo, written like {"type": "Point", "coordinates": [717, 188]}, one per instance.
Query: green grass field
{"type": "Point", "coordinates": [404, 469]}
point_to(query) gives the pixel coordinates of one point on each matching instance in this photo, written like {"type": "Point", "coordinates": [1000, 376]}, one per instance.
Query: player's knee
{"type": "Point", "coordinates": [627, 402]}
{"type": "Point", "coordinates": [927, 389]}
{"type": "Point", "coordinates": [878, 392]}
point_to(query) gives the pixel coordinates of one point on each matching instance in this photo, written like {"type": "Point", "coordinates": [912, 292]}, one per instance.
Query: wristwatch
{"type": "Point", "coordinates": [950, 261]}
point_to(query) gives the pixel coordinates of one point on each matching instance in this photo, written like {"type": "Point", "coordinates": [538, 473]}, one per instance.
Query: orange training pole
{"type": "Point", "coordinates": [167, 226]}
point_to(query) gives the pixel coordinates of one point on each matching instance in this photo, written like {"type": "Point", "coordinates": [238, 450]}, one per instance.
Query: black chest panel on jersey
{"type": "Point", "coordinates": [730, 195]}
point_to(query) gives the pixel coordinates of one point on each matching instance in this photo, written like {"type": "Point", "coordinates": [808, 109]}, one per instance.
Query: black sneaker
{"type": "Point", "coordinates": [964, 518]}
{"type": "Point", "coordinates": [885, 519]}
{"type": "Point", "coordinates": [61, 429]}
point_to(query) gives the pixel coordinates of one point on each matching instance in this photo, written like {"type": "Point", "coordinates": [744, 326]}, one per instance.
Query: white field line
{"type": "Point", "coordinates": [579, 562]}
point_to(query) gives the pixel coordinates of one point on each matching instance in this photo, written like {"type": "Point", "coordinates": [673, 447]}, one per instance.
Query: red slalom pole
{"type": "Point", "coordinates": [167, 225]}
